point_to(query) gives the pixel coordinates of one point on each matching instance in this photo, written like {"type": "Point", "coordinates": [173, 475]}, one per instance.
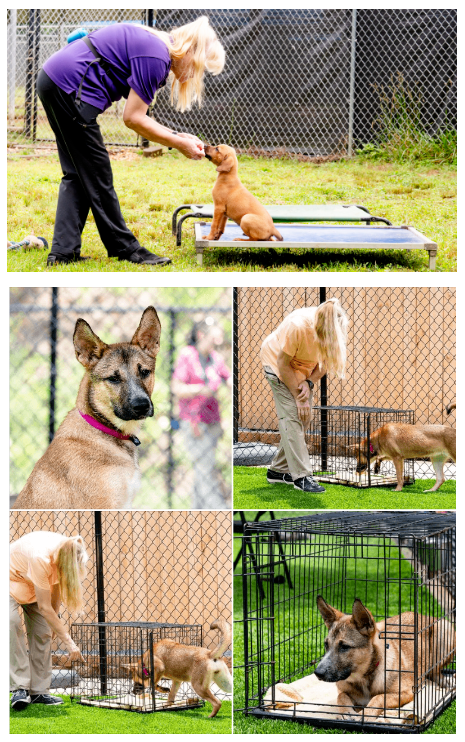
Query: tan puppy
{"type": "Point", "coordinates": [363, 658]}
{"type": "Point", "coordinates": [183, 663]}
{"type": "Point", "coordinates": [232, 200]}
{"type": "Point", "coordinates": [92, 462]}
{"type": "Point", "coordinates": [399, 441]}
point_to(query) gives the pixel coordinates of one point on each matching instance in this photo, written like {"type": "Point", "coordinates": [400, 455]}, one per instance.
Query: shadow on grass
{"type": "Point", "coordinates": [274, 258]}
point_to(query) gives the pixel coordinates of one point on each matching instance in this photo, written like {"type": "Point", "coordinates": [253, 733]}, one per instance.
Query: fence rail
{"type": "Point", "coordinates": [296, 82]}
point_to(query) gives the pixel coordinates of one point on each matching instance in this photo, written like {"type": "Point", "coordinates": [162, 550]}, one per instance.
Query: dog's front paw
{"type": "Point", "coordinates": [210, 237]}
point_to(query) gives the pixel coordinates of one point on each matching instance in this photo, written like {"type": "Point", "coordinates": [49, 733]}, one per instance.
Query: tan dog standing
{"type": "Point", "coordinates": [399, 441]}
{"type": "Point", "coordinates": [363, 657]}
{"type": "Point", "coordinates": [233, 201]}
{"type": "Point", "coordinates": [182, 663]}
{"type": "Point", "coordinates": [92, 461]}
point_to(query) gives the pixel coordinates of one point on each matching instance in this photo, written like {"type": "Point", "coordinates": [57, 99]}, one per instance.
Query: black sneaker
{"type": "Point", "coordinates": [20, 700]}
{"type": "Point", "coordinates": [141, 256]}
{"type": "Point", "coordinates": [46, 699]}
{"type": "Point", "coordinates": [53, 260]}
{"type": "Point", "coordinates": [308, 484]}
{"type": "Point", "coordinates": [277, 477]}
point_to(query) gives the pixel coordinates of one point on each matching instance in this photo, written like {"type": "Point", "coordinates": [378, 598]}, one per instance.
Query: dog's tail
{"type": "Point", "coordinates": [450, 407]}
{"type": "Point", "coordinates": [225, 629]}
{"type": "Point", "coordinates": [277, 234]}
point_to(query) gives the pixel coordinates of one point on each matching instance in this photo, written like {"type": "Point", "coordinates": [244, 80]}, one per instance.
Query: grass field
{"type": "Point", "coordinates": [251, 491]}
{"type": "Point", "coordinates": [72, 718]}
{"type": "Point", "coordinates": [291, 616]}
{"type": "Point", "coordinates": [422, 195]}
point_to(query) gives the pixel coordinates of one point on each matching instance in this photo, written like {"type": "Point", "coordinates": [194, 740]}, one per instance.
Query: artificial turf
{"type": "Point", "coordinates": [251, 491]}
{"type": "Point", "coordinates": [72, 718]}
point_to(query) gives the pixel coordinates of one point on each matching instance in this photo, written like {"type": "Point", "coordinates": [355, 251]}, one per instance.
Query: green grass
{"type": "Point", "coordinates": [291, 617]}
{"type": "Point", "coordinates": [150, 189]}
{"type": "Point", "coordinates": [72, 718]}
{"type": "Point", "coordinates": [251, 491]}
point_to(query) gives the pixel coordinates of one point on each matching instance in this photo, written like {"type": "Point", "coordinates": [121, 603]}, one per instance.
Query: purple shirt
{"type": "Point", "coordinates": [138, 60]}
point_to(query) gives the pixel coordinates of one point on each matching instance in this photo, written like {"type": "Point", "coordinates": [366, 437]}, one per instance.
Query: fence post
{"type": "Point", "coordinates": [30, 102]}
{"type": "Point", "coordinates": [53, 363]}
{"type": "Point", "coordinates": [235, 370]}
{"type": "Point", "coordinates": [102, 638]}
{"type": "Point", "coordinates": [323, 403]}
{"type": "Point", "coordinates": [12, 30]}
{"type": "Point", "coordinates": [169, 472]}
{"type": "Point", "coordinates": [350, 145]}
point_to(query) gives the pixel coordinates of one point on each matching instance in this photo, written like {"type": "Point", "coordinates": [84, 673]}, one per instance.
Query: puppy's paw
{"type": "Point", "coordinates": [211, 237]}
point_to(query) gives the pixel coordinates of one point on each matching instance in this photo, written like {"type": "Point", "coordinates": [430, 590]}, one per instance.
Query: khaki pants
{"type": "Point", "coordinates": [292, 456]}
{"type": "Point", "coordinates": [31, 671]}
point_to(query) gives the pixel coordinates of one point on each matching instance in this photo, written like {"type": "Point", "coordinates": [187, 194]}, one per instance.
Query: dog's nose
{"type": "Point", "coordinates": [141, 405]}
{"type": "Point", "coordinates": [319, 673]}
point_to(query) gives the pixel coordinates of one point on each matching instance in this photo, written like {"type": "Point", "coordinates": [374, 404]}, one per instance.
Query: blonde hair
{"type": "Point", "coordinates": [70, 558]}
{"type": "Point", "coordinates": [201, 40]}
{"type": "Point", "coordinates": [331, 330]}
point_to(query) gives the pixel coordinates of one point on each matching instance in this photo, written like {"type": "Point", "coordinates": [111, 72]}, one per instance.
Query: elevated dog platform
{"type": "Point", "coordinates": [110, 650]}
{"type": "Point", "coordinates": [311, 237]}
{"type": "Point", "coordinates": [284, 213]}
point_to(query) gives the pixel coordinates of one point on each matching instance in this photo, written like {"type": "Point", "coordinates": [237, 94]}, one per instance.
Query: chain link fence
{"type": "Point", "coordinates": [164, 567]}
{"type": "Point", "coordinates": [400, 357]}
{"type": "Point", "coordinates": [296, 82]}
{"type": "Point", "coordinates": [45, 376]}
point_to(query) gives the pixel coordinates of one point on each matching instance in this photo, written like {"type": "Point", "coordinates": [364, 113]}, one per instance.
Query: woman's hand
{"type": "Point", "coordinates": [75, 653]}
{"type": "Point", "coordinates": [190, 147]}
{"type": "Point", "coordinates": [304, 393]}
{"type": "Point", "coordinates": [303, 410]}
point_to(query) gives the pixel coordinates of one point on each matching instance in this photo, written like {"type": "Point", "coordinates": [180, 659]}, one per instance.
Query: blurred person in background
{"type": "Point", "coordinates": [46, 569]}
{"type": "Point", "coordinates": [200, 371]}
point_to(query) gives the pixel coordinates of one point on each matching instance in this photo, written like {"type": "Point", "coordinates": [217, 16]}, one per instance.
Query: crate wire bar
{"type": "Point", "coordinates": [105, 681]}
{"type": "Point", "coordinates": [335, 436]}
{"type": "Point", "coordinates": [395, 563]}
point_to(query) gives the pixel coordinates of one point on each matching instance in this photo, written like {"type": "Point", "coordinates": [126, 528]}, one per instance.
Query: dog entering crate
{"type": "Point", "coordinates": [369, 604]}
{"type": "Point", "coordinates": [110, 649]}
{"type": "Point", "coordinates": [338, 433]}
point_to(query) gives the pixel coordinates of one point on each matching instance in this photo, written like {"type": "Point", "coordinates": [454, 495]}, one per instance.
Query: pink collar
{"type": "Point", "coordinates": [103, 428]}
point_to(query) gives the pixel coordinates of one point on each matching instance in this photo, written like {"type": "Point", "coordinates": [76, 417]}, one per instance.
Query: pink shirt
{"type": "Point", "coordinates": [203, 407]}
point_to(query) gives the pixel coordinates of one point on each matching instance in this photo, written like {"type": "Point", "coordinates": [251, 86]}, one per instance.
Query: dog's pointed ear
{"type": "Point", "coordinates": [226, 165]}
{"type": "Point", "coordinates": [88, 347]}
{"type": "Point", "coordinates": [147, 335]}
{"type": "Point", "coordinates": [362, 618]}
{"type": "Point", "coordinates": [330, 614]}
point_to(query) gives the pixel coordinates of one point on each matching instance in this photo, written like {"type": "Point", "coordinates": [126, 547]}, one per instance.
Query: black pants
{"type": "Point", "coordinates": [87, 181]}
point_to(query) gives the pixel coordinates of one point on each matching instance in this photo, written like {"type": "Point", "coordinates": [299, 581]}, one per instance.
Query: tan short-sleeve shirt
{"type": "Point", "coordinates": [296, 337]}
{"type": "Point", "coordinates": [30, 564]}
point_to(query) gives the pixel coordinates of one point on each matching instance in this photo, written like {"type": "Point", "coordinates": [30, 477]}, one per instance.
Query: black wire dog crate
{"type": "Point", "coordinates": [339, 437]}
{"type": "Point", "coordinates": [110, 650]}
{"type": "Point", "coordinates": [401, 566]}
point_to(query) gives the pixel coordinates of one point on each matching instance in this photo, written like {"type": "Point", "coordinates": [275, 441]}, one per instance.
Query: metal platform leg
{"type": "Point", "coordinates": [199, 251]}
{"type": "Point", "coordinates": [432, 259]}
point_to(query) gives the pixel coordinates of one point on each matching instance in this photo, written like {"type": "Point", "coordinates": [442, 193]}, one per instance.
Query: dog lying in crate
{"type": "Point", "coordinates": [182, 663]}
{"type": "Point", "coordinates": [360, 668]}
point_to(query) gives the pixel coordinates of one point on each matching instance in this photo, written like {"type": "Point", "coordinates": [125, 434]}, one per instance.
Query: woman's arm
{"type": "Point", "coordinates": [46, 609]}
{"type": "Point", "coordinates": [135, 117]}
{"type": "Point", "coordinates": [289, 378]}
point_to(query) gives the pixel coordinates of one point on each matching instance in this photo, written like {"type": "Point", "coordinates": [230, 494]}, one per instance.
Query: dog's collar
{"type": "Point", "coordinates": [372, 450]}
{"type": "Point", "coordinates": [103, 428]}
{"type": "Point", "coordinates": [145, 671]}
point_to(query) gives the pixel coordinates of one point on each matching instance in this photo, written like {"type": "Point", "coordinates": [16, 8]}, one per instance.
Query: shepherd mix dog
{"type": "Point", "coordinates": [92, 461]}
{"type": "Point", "coordinates": [182, 663]}
{"type": "Point", "coordinates": [363, 658]}
{"type": "Point", "coordinates": [399, 441]}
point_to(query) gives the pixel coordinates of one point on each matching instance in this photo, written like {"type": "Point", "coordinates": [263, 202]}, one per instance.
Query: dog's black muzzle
{"type": "Point", "coordinates": [328, 675]}
{"type": "Point", "coordinates": [137, 408]}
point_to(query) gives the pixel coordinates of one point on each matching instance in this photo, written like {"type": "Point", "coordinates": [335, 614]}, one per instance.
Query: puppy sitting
{"type": "Point", "coordinates": [184, 663]}
{"type": "Point", "coordinates": [232, 200]}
